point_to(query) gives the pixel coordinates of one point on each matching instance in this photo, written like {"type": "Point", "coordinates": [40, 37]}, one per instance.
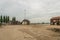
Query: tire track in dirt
{"type": "Point", "coordinates": [33, 35]}
{"type": "Point", "coordinates": [28, 32]}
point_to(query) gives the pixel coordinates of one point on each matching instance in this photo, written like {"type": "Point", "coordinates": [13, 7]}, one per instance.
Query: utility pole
{"type": "Point", "coordinates": [1, 11]}
{"type": "Point", "coordinates": [25, 14]}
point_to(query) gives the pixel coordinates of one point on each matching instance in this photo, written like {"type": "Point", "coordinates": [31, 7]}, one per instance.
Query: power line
{"type": "Point", "coordinates": [24, 13]}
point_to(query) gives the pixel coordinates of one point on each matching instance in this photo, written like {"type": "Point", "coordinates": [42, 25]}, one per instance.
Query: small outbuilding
{"type": "Point", "coordinates": [25, 22]}
{"type": "Point", "coordinates": [15, 22]}
{"type": "Point", "coordinates": [55, 20]}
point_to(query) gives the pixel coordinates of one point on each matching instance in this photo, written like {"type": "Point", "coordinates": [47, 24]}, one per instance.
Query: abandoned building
{"type": "Point", "coordinates": [25, 22]}
{"type": "Point", "coordinates": [14, 21]}
{"type": "Point", "coordinates": [55, 20]}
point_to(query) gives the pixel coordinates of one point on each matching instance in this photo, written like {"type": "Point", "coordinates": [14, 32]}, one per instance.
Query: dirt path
{"type": "Point", "coordinates": [28, 32]}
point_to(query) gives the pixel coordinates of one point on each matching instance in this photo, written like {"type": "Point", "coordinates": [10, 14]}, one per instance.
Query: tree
{"type": "Point", "coordinates": [13, 19]}
{"type": "Point", "coordinates": [1, 19]}
{"type": "Point", "coordinates": [8, 18]}
{"type": "Point", "coordinates": [4, 19]}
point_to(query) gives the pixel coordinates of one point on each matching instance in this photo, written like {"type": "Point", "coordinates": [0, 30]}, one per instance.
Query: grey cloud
{"type": "Point", "coordinates": [34, 8]}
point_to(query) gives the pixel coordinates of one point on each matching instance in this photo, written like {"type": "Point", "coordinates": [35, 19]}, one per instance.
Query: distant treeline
{"type": "Point", "coordinates": [4, 19]}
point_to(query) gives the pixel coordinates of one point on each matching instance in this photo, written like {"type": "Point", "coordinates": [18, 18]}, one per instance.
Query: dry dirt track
{"type": "Point", "coordinates": [28, 32]}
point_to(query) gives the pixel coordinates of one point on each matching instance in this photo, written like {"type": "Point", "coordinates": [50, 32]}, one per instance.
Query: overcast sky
{"type": "Point", "coordinates": [36, 10]}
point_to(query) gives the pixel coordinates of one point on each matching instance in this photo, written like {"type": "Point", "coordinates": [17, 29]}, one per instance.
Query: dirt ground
{"type": "Point", "coordinates": [29, 32]}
